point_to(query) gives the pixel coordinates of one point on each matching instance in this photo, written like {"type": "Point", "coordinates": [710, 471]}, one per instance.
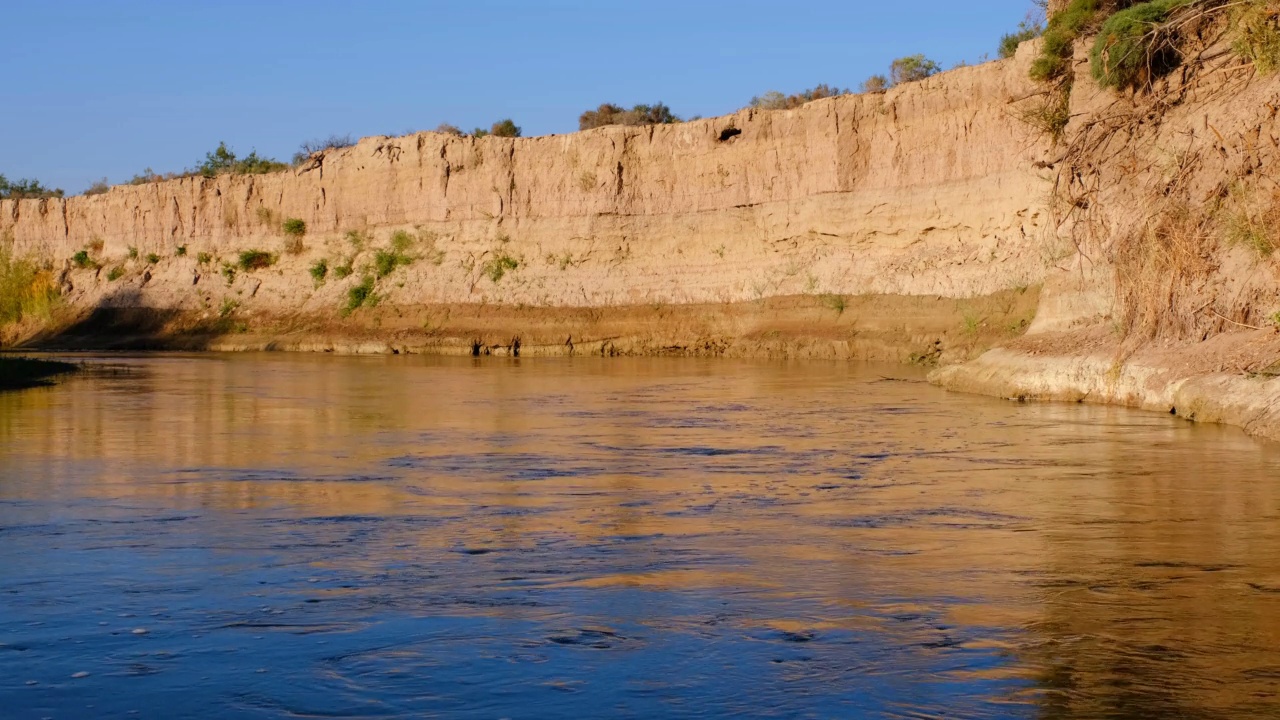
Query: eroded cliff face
{"type": "Point", "coordinates": [928, 190]}
{"type": "Point", "coordinates": [1170, 298]}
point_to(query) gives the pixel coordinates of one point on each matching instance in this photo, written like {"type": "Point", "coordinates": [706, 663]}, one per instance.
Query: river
{"type": "Point", "coordinates": [287, 536]}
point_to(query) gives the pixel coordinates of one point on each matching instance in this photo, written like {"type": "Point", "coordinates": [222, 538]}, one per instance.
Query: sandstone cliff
{"type": "Point", "coordinates": [914, 225]}
{"type": "Point", "coordinates": [928, 190]}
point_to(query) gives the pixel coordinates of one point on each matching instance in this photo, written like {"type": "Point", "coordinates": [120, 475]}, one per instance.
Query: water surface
{"type": "Point", "coordinates": [288, 536]}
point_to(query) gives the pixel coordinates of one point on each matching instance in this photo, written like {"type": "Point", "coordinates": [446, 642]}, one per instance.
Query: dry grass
{"type": "Point", "coordinates": [27, 289]}
{"type": "Point", "coordinates": [1253, 221]}
{"type": "Point", "coordinates": [1160, 270]}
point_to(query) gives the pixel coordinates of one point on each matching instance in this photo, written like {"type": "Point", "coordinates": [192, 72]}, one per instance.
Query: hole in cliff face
{"type": "Point", "coordinates": [475, 348]}
{"type": "Point", "coordinates": [729, 133]}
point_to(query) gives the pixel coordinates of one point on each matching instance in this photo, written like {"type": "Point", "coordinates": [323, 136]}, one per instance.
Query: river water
{"type": "Point", "coordinates": [287, 536]}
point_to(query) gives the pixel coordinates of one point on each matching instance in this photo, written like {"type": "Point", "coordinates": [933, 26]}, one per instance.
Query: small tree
{"type": "Point", "coordinates": [505, 128]}
{"type": "Point", "coordinates": [447, 129]}
{"type": "Point", "coordinates": [912, 68]}
{"type": "Point", "coordinates": [221, 160]}
{"type": "Point", "coordinates": [875, 84]}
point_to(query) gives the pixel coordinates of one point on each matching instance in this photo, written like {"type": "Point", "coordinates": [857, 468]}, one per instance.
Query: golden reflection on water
{"type": "Point", "coordinates": [1125, 562]}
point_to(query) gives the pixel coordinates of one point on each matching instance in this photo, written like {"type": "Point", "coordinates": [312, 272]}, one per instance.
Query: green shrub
{"type": "Point", "coordinates": [401, 240]}
{"type": "Point", "coordinates": [180, 251]}
{"type": "Point", "coordinates": [610, 114]}
{"type": "Point", "coordinates": [27, 289]}
{"type": "Point", "coordinates": [115, 273]}
{"type": "Point", "coordinates": [497, 266]}
{"type": "Point", "coordinates": [386, 261]}
{"type": "Point", "coordinates": [1131, 50]}
{"type": "Point", "coordinates": [774, 100]}
{"type": "Point", "coordinates": [342, 272]}
{"type": "Point", "coordinates": [293, 227]}
{"type": "Point", "coordinates": [1060, 34]}
{"type": "Point", "coordinates": [20, 189]}
{"type": "Point", "coordinates": [505, 128]}
{"type": "Point", "coordinates": [1028, 29]}
{"type": "Point", "coordinates": [359, 295]}
{"type": "Point", "coordinates": [911, 69]}
{"type": "Point", "coordinates": [229, 272]}
{"type": "Point", "coordinates": [319, 270]}
{"type": "Point", "coordinates": [82, 260]}
{"type": "Point", "coordinates": [256, 260]}
{"type": "Point", "coordinates": [224, 161]}
{"type": "Point", "coordinates": [133, 253]}
{"type": "Point", "coordinates": [204, 258]}
{"type": "Point", "coordinates": [153, 258]}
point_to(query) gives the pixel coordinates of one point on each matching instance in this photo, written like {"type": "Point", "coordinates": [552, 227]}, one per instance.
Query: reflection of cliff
{"type": "Point", "coordinates": [1102, 556]}
{"type": "Point", "coordinates": [1161, 592]}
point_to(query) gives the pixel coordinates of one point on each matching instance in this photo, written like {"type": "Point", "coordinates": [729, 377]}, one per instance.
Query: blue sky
{"type": "Point", "coordinates": [101, 88]}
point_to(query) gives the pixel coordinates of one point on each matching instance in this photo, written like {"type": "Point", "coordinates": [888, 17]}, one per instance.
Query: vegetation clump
{"type": "Point", "coordinates": [97, 188]}
{"type": "Point", "coordinates": [27, 289]}
{"type": "Point", "coordinates": [319, 271]}
{"type": "Point", "coordinates": [1060, 35]}
{"type": "Point", "coordinates": [1030, 28]}
{"type": "Point", "coordinates": [360, 295]}
{"type": "Point", "coordinates": [251, 260]}
{"type": "Point", "coordinates": [115, 273]}
{"type": "Point", "coordinates": [875, 84]}
{"type": "Point", "coordinates": [311, 147]}
{"type": "Point", "coordinates": [610, 114]}
{"type": "Point", "coordinates": [23, 189]}
{"type": "Point", "coordinates": [503, 128]}
{"type": "Point", "coordinates": [1256, 27]}
{"type": "Point", "coordinates": [774, 100]}
{"type": "Point", "coordinates": [223, 161]}
{"type": "Point", "coordinates": [82, 260]}
{"type": "Point", "coordinates": [912, 68]}
{"type": "Point", "coordinates": [496, 267]}
{"type": "Point", "coordinates": [293, 227]}
{"type": "Point", "coordinates": [1132, 48]}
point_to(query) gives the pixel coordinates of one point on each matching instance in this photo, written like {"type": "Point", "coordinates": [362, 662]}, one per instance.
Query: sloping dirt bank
{"type": "Point", "coordinates": [909, 329]}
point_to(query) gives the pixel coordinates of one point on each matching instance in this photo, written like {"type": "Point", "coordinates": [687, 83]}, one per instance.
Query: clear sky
{"type": "Point", "coordinates": [95, 88]}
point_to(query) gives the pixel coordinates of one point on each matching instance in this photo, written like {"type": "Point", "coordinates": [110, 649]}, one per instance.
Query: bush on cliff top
{"type": "Point", "coordinates": [27, 188]}
{"type": "Point", "coordinates": [223, 161]}
{"type": "Point", "coordinates": [774, 100]}
{"type": "Point", "coordinates": [911, 69]}
{"type": "Point", "coordinates": [610, 114]}
{"type": "Point", "coordinates": [311, 147]}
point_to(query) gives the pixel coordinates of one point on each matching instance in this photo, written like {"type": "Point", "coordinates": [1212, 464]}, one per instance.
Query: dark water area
{"type": "Point", "coordinates": [292, 536]}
